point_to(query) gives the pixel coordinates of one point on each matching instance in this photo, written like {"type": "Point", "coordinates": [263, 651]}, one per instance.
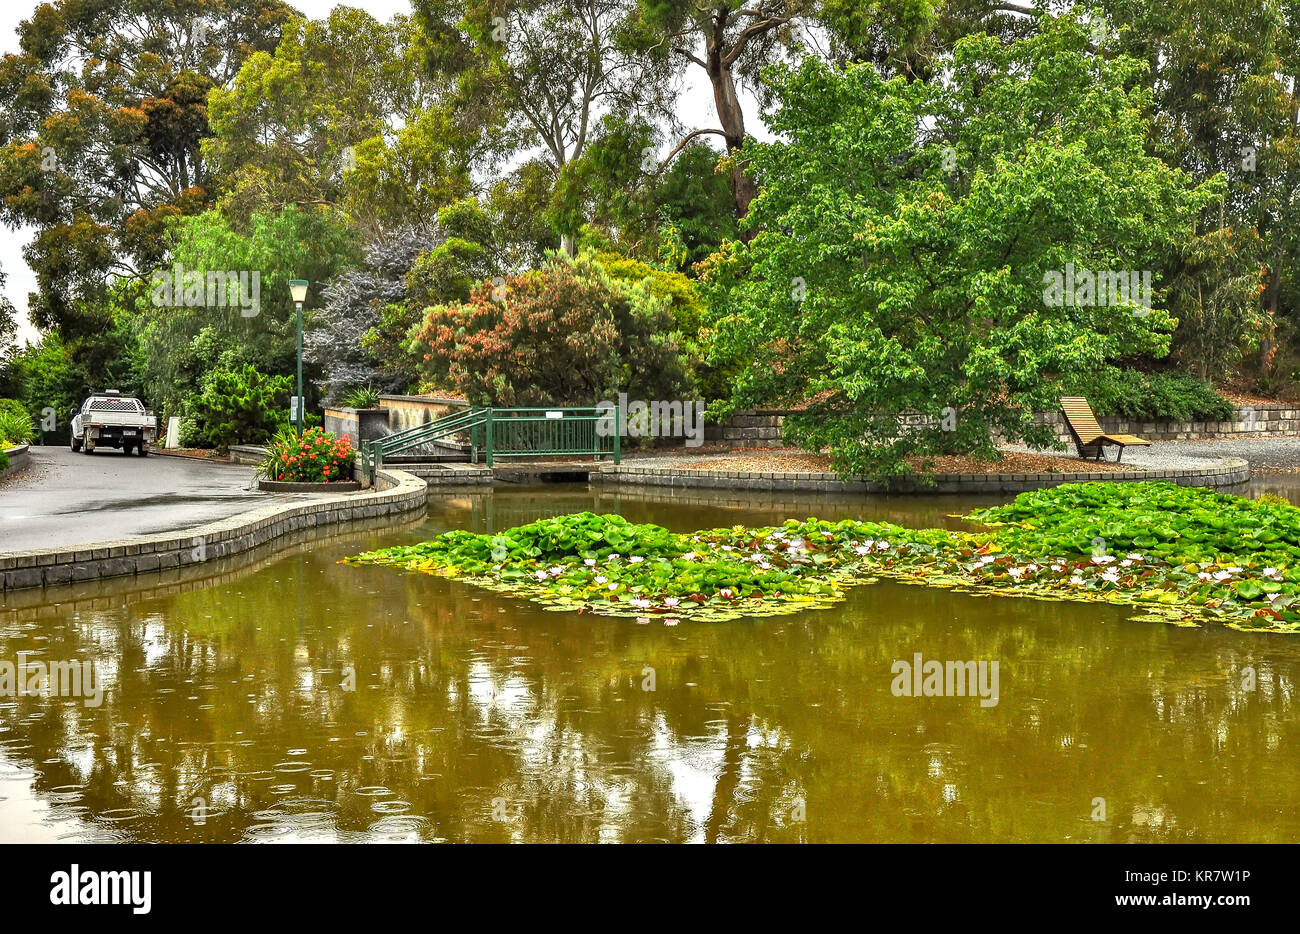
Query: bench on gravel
{"type": "Point", "coordinates": [1088, 436]}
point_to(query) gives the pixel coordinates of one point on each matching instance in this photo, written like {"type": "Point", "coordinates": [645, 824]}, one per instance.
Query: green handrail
{"type": "Point", "coordinates": [558, 431]}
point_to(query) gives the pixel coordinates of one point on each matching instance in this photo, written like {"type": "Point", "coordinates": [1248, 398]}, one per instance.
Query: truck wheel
{"type": "Point", "coordinates": [141, 449]}
{"type": "Point", "coordinates": [76, 444]}
{"type": "Point", "coordinates": [126, 448]}
{"type": "Point", "coordinates": [87, 446]}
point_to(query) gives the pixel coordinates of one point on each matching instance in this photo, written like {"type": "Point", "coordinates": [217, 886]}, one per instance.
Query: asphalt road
{"type": "Point", "coordinates": [65, 499]}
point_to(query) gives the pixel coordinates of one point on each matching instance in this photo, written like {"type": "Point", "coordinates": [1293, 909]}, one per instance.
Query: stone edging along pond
{"type": "Point", "coordinates": [1229, 471]}
{"type": "Point", "coordinates": [397, 492]}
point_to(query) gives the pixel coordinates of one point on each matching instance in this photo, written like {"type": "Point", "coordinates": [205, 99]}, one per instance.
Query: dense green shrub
{"type": "Point", "coordinates": [242, 406]}
{"type": "Point", "coordinates": [363, 397]}
{"type": "Point", "coordinates": [567, 333]}
{"type": "Point", "coordinates": [16, 425]}
{"type": "Point", "coordinates": [1175, 396]}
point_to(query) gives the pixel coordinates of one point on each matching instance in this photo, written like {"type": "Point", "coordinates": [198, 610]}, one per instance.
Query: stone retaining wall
{"type": "Point", "coordinates": [1232, 470]}
{"type": "Point", "coordinates": [762, 428]}
{"type": "Point", "coordinates": [396, 493]}
{"type": "Point", "coordinates": [357, 424]}
{"type": "Point", "coordinates": [1247, 421]}
{"type": "Point", "coordinates": [409, 411]}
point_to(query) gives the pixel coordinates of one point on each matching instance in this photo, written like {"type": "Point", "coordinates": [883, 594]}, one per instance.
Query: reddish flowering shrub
{"type": "Point", "coordinates": [563, 334]}
{"type": "Point", "coordinates": [317, 457]}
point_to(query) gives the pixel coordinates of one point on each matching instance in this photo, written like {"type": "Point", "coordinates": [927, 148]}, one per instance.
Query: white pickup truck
{"type": "Point", "coordinates": [113, 420]}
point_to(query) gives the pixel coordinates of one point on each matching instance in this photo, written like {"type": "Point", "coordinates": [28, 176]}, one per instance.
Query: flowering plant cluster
{"type": "Point", "coordinates": [316, 457]}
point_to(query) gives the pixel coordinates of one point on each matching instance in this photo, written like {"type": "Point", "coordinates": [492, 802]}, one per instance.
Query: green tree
{"type": "Point", "coordinates": [908, 232]}
{"type": "Point", "coordinates": [188, 341]}
{"type": "Point", "coordinates": [552, 68]}
{"type": "Point", "coordinates": [341, 113]}
{"type": "Point", "coordinates": [100, 134]}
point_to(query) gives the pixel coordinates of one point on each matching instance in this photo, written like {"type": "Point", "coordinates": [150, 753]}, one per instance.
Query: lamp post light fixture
{"type": "Point", "coordinates": [298, 290]}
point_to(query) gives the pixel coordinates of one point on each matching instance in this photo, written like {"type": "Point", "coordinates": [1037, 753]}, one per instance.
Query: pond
{"type": "Point", "coordinates": [302, 699]}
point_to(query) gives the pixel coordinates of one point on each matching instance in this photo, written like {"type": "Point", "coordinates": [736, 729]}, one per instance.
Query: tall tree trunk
{"type": "Point", "coordinates": [732, 118]}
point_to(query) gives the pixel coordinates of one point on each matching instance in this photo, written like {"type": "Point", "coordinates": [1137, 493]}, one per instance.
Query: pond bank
{"type": "Point", "coordinates": [397, 493]}
{"type": "Point", "coordinates": [1226, 471]}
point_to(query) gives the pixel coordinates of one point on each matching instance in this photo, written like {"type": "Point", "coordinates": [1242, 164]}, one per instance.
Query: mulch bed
{"type": "Point", "coordinates": [795, 460]}
{"type": "Point", "coordinates": [197, 453]}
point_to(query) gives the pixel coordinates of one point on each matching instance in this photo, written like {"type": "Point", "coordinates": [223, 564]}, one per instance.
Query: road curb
{"type": "Point", "coordinates": [396, 493]}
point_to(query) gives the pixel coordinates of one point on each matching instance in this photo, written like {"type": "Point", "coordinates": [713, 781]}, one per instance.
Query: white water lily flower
{"type": "Point", "coordinates": [1221, 575]}
{"type": "Point", "coordinates": [689, 556]}
{"type": "Point", "coordinates": [1126, 563]}
{"type": "Point", "coordinates": [601, 578]}
{"type": "Point", "coordinates": [556, 571]}
{"type": "Point", "coordinates": [540, 575]}
{"type": "Point", "coordinates": [589, 562]}
{"type": "Point", "coordinates": [1233, 570]}
{"type": "Point", "coordinates": [1134, 557]}
{"type": "Point", "coordinates": [765, 566]}
{"type": "Point", "coordinates": [726, 592]}
{"type": "Point", "coordinates": [1204, 575]}
{"type": "Point", "coordinates": [863, 549]}
{"type": "Point", "coordinates": [640, 603]}
{"type": "Point", "coordinates": [613, 586]}
{"type": "Point", "coordinates": [1032, 569]}
{"type": "Point", "coordinates": [727, 548]}
{"type": "Point", "coordinates": [1102, 559]}
{"type": "Point", "coordinates": [613, 556]}
{"type": "Point", "coordinates": [635, 559]}
{"type": "Point", "coordinates": [1016, 573]}
{"type": "Point", "coordinates": [1076, 581]}
{"type": "Point", "coordinates": [1271, 572]}
{"type": "Point", "coordinates": [1111, 575]}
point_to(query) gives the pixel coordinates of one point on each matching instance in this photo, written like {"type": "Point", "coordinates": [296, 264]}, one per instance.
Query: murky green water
{"type": "Point", "coordinates": [477, 717]}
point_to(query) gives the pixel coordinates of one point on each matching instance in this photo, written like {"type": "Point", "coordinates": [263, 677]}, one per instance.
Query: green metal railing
{"type": "Point", "coordinates": [518, 432]}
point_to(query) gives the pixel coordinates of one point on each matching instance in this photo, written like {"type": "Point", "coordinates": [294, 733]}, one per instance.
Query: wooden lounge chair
{"type": "Point", "coordinates": [1088, 435]}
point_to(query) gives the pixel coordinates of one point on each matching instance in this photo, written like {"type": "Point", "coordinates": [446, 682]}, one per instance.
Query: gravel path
{"type": "Point", "coordinates": [1264, 454]}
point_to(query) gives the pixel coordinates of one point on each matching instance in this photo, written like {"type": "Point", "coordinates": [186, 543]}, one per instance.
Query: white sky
{"type": "Point", "coordinates": [695, 111]}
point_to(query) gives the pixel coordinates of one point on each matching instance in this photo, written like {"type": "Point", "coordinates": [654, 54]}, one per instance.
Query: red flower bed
{"type": "Point", "coordinates": [316, 457]}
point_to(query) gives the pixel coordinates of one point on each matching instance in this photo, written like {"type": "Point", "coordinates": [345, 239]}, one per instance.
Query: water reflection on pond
{"type": "Point", "coordinates": [478, 717]}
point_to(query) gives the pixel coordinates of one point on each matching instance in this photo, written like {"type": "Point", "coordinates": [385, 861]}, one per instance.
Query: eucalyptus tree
{"type": "Point", "coordinates": [104, 114]}
{"type": "Point", "coordinates": [341, 114]}
{"type": "Point", "coordinates": [551, 68]}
